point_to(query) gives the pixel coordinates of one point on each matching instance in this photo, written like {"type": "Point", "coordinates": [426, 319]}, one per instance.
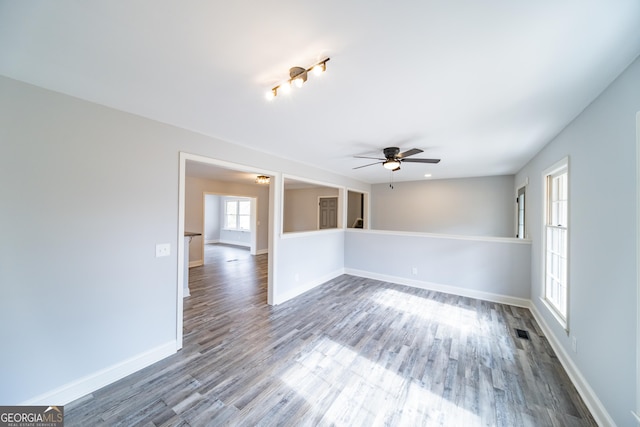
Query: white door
{"type": "Point", "coordinates": [328, 214]}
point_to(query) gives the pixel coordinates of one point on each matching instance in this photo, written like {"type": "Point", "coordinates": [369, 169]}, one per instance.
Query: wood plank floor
{"type": "Point", "coordinates": [352, 352]}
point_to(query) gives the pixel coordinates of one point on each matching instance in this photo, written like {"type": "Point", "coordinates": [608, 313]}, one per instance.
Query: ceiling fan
{"type": "Point", "coordinates": [393, 157]}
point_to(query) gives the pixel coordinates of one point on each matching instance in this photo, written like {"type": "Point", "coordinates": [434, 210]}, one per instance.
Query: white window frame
{"type": "Point", "coordinates": [561, 314]}
{"type": "Point", "coordinates": [525, 232]}
{"type": "Point", "coordinates": [237, 202]}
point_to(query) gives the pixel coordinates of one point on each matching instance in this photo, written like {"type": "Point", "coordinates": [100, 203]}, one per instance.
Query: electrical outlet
{"type": "Point", "coordinates": [414, 271]}
{"type": "Point", "coordinates": [574, 344]}
{"type": "Point", "coordinates": [163, 249]}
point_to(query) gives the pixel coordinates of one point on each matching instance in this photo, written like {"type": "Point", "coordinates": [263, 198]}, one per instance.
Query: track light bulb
{"type": "Point", "coordinates": [271, 94]}
{"type": "Point", "coordinates": [318, 69]}
{"type": "Point", "coordinates": [285, 87]}
{"type": "Point", "coordinates": [298, 82]}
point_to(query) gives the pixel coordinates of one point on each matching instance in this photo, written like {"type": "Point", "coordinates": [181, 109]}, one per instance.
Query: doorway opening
{"type": "Point", "coordinates": [199, 175]}
{"type": "Point", "coordinates": [357, 209]}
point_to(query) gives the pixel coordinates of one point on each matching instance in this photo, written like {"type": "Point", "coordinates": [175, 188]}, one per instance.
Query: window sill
{"type": "Point", "coordinates": [234, 229]}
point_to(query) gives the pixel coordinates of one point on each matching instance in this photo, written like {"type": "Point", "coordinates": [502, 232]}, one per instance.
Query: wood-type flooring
{"type": "Point", "coordinates": [351, 352]}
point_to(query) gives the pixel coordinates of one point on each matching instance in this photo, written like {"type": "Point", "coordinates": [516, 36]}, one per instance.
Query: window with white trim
{"type": "Point", "coordinates": [521, 231]}
{"type": "Point", "coordinates": [237, 215]}
{"type": "Point", "coordinates": [556, 238]}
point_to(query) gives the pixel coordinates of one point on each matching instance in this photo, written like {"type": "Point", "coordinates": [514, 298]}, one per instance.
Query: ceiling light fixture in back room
{"type": "Point", "coordinates": [297, 76]}
{"type": "Point", "coordinates": [262, 179]}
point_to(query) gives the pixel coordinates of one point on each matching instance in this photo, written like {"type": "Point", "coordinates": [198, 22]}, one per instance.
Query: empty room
{"type": "Point", "coordinates": [331, 213]}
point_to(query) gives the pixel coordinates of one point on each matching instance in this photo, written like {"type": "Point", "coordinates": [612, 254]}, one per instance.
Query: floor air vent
{"type": "Point", "coordinates": [522, 334]}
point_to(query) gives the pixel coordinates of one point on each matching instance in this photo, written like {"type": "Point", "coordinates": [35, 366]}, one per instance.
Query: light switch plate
{"type": "Point", "coordinates": [163, 249]}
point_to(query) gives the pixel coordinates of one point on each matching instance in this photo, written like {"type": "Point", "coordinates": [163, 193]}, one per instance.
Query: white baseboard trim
{"type": "Point", "coordinates": [262, 251]}
{"type": "Point", "coordinates": [590, 398]}
{"type": "Point", "coordinates": [92, 382]}
{"type": "Point", "coordinates": [196, 263]}
{"type": "Point", "coordinates": [301, 289]}
{"type": "Point", "coordinates": [448, 289]}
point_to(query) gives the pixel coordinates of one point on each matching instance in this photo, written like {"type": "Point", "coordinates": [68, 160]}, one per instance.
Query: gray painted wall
{"type": "Point", "coordinates": [484, 268]}
{"type": "Point", "coordinates": [80, 278]}
{"type": "Point", "coordinates": [482, 206]}
{"type": "Point", "coordinates": [303, 268]}
{"type": "Point", "coordinates": [601, 145]}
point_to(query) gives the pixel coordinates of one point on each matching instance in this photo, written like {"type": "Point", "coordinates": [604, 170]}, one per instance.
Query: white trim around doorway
{"type": "Point", "coordinates": [273, 210]}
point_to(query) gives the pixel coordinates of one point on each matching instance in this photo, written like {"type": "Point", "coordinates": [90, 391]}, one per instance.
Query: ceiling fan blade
{"type": "Point", "coordinates": [409, 153]}
{"type": "Point", "coordinates": [421, 160]}
{"type": "Point", "coordinates": [365, 157]}
{"type": "Point", "coordinates": [370, 164]}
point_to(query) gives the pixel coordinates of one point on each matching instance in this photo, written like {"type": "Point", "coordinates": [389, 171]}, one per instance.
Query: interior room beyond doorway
{"type": "Point", "coordinates": [229, 220]}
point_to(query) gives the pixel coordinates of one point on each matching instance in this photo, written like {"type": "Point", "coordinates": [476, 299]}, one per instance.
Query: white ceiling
{"type": "Point", "coordinates": [482, 85]}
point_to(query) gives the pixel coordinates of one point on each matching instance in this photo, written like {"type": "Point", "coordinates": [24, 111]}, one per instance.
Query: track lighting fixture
{"type": "Point", "coordinates": [297, 76]}
{"type": "Point", "coordinates": [262, 179]}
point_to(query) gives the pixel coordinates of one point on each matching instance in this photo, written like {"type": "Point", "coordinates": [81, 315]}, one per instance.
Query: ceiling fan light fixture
{"type": "Point", "coordinates": [393, 157]}
{"type": "Point", "coordinates": [391, 164]}
{"type": "Point", "coordinates": [262, 179]}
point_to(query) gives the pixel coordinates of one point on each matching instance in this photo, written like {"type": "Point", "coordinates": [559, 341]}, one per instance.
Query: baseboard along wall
{"type": "Point", "coordinates": [447, 289]}
{"type": "Point", "coordinates": [76, 389]}
{"type": "Point", "coordinates": [585, 391]}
